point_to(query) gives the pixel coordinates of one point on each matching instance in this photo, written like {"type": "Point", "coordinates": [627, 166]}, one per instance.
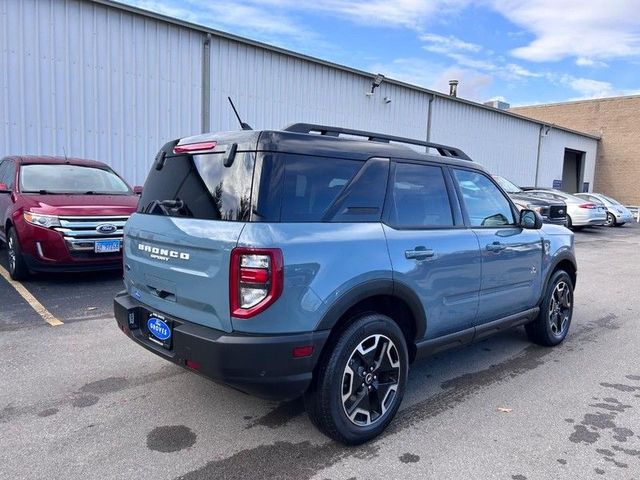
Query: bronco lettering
{"type": "Point", "coordinates": [163, 253]}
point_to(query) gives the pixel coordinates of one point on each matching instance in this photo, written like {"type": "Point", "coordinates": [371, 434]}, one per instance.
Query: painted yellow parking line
{"type": "Point", "coordinates": [46, 315]}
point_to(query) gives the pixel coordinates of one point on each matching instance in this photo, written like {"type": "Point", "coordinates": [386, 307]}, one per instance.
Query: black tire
{"type": "Point", "coordinates": [620, 224]}
{"type": "Point", "coordinates": [569, 223]}
{"type": "Point", "coordinates": [611, 220]}
{"type": "Point", "coordinates": [343, 377]}
{"type": "Point", "coordinates": [553, 322]}
{"type": "Point", "coordinates": [17, 266]}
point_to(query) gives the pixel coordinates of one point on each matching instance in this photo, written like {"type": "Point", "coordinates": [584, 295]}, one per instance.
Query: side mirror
{"type": "Point", "coordinates": [4, 188]}
{"type": "Point", "coordinates": [137, 190]}
{"type": "Point", "coordinates": [530, 220]}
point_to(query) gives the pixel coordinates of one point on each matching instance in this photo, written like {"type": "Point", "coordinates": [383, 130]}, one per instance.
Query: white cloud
{"type": "Point", "coordinates": [237, 17]}
{"type": "Point", "coordinates": [441, 44]}
{"type": "Point", "coordinates": [398, 13]}
{"type": "Point", "coordinates": [418, 71]}
{"type": "Point", "coordinates": [590, 62]}
{"type": "Point", "coordinates": [520, 71]}
{"type": "Point", "coordinates": [587, 88]}
{"type": "Point", "coordinates": [597, 29]}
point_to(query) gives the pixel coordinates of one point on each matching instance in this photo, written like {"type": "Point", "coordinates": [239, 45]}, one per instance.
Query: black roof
{"type": "Point", "coordinates": [335, 142]}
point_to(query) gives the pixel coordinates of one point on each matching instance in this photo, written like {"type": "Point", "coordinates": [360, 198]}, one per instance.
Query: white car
{"type": "Point", "coordinates": [580, 213]}
{"type": "Point", "coordinates": [617, 214]}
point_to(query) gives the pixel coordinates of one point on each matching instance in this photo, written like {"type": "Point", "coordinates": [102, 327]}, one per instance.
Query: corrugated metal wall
{"type": "Point", "coordinates": [504, 144]}
{"type": "Point", "coordinates": [272, 90]}
{"type": "Point", "coordinates": [95, 82]}
{"type": "Point", "coordinates": [103, 82]}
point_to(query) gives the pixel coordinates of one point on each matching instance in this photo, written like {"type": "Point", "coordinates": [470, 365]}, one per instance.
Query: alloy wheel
{"type": "Point", "coordinates": [610, 220]}
{"type": "Point", "coordinates": [560, 308]}
{"type": "Point", "coordinates": [370, 380]}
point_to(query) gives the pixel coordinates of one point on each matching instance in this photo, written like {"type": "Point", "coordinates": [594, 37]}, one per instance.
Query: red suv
{"type": "Point", "coordinates": [62, 214]}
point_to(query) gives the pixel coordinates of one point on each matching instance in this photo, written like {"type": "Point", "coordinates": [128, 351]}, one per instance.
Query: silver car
{"type": "Point", "coordinates": [617, 214]}
{"type": "Point", "coordinates": [580, 213]}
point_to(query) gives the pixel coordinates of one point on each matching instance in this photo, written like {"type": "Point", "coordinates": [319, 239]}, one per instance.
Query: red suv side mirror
{"type": "Point", "coordinates": [4, 188]}
{"type": "Point", "coordinates": [137, 190]}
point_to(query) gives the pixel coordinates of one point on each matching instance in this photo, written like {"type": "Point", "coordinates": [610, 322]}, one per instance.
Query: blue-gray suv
{"type": "Point", "coordinates": [321, 262]}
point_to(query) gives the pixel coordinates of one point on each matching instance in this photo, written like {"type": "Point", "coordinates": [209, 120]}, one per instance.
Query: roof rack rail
{"type": "Point", "coordinates": [444, 150]}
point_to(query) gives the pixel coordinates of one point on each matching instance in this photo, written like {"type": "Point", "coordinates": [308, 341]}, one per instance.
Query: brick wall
{"type": "Point", "coordinates": [617, 121]}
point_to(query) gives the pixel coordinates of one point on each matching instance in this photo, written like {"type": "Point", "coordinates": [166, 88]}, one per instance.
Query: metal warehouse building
{"type": "Point", "coordinates": [101, 80]}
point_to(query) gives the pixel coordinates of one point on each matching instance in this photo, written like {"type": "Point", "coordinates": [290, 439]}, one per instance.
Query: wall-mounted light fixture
{"type": "Point", "coordinates": [387, 99]}
{"type": "Point", "coordinates": [377, 81]}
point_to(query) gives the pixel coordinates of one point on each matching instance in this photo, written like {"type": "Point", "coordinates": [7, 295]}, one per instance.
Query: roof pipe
{"type": "Point", "coordinates": [542, 128]}
{"type": "Point", "coordinates": [432, 97]}
{"type": "Point", "coordinates": [205, 121]}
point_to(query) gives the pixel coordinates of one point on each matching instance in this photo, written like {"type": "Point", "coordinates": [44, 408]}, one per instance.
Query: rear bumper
{"type": "Point", "coordinates": [586, 219]}
{"type": "Point", "coordinates": [261, 365]}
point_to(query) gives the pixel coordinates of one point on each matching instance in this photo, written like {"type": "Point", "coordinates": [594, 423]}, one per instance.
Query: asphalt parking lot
{"type": "Point", "coordinates": [80, 400]}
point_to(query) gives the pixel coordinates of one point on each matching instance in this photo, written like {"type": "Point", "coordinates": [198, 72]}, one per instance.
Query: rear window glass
{"type": "Point", "coordinates": [200, 186]}
{"type": "Point", "coordinates": [311, 184]}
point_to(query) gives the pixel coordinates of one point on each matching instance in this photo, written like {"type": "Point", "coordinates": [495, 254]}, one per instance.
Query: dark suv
{"type": "Point", "coordinates": [298, 262]}
{"type": "Point", "coordinates": [552, 211]}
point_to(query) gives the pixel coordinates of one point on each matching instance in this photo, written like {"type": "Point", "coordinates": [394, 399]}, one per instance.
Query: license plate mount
{"type": "Point", "coordinates": [159, 330]}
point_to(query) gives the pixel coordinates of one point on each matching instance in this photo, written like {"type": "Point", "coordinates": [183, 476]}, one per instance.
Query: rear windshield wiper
{"type": "Point", "coordinates": [169, 208]}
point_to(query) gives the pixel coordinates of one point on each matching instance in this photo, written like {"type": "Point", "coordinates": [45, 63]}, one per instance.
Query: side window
{"type": "Point", "coordinates": [10, 173]}
{"type": "Point", "coordinates": [419, 197]}
{"type": "Point", "coordinates": [311, 184]}
{"type": "Point", "coordinates": [3, 169]}
{"type": "Point", "coordinates": [486, 205]}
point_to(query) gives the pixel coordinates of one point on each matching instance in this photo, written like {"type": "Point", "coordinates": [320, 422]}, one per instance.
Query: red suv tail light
{"type": "Point", "coordinates": [255, 280]}
{"type": "Point", "coordinates": [590, 206]}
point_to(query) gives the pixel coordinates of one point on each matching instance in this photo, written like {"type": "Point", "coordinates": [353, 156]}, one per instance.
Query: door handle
{"type": "Point", "coordinates": [418, 253]}
{"type": "Point", "coordinates": [496, 247]}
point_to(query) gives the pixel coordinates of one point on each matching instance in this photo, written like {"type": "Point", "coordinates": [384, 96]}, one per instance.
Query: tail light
{"type": "Point", "coordinates": [255, 280]}
{"type": "Point", "coordinates": [590, 206]}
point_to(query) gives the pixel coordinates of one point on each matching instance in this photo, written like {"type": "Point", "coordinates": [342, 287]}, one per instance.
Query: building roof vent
{"type": "Point", "coordinates": [499, 104]}
{"type": "Point", "coordinates": [453, 88]}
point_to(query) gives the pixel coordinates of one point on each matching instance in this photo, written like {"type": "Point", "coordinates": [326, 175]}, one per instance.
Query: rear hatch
{"type": "Point", "coordinates": [178, 244]}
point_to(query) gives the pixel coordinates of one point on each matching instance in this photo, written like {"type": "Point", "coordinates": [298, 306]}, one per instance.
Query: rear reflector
{"type": "Point", "coordinates": [254, 275]}
{"type": "Point", "coordinates": [194, 147]}
{"type": "Point", "coordinates": [301, 352]}
{"type": "Point", "coordinates": [192, 364]}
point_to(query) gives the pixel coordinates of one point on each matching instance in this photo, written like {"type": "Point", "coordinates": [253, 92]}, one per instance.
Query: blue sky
{"type": "Point", "coordinates": [521, 51]}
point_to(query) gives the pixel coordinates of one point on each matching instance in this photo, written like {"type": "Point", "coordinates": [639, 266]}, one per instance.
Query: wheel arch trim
{"type": "Point", "coordinates": [373, 288]}
{"type": "Point", "coordinates": [565, 256]}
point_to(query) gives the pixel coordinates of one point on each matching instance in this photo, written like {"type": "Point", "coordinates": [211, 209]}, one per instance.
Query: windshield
{"type": "Point", "coordinates": [610, 200]}
{"type": "Point", "coordinates": [75, 179]}
{"type": "Point", "coordinates": [506, 185]}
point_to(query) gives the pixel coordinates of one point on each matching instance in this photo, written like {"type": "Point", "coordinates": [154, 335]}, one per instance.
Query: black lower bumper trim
{"type": "Point", "coordinates": [261, 365]}
{"type": "Point", "coordinates": [36, 265]}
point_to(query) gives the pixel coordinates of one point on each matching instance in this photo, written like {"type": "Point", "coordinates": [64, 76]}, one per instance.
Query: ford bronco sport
{"type": "Point", "coordinates": [321, 262]}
